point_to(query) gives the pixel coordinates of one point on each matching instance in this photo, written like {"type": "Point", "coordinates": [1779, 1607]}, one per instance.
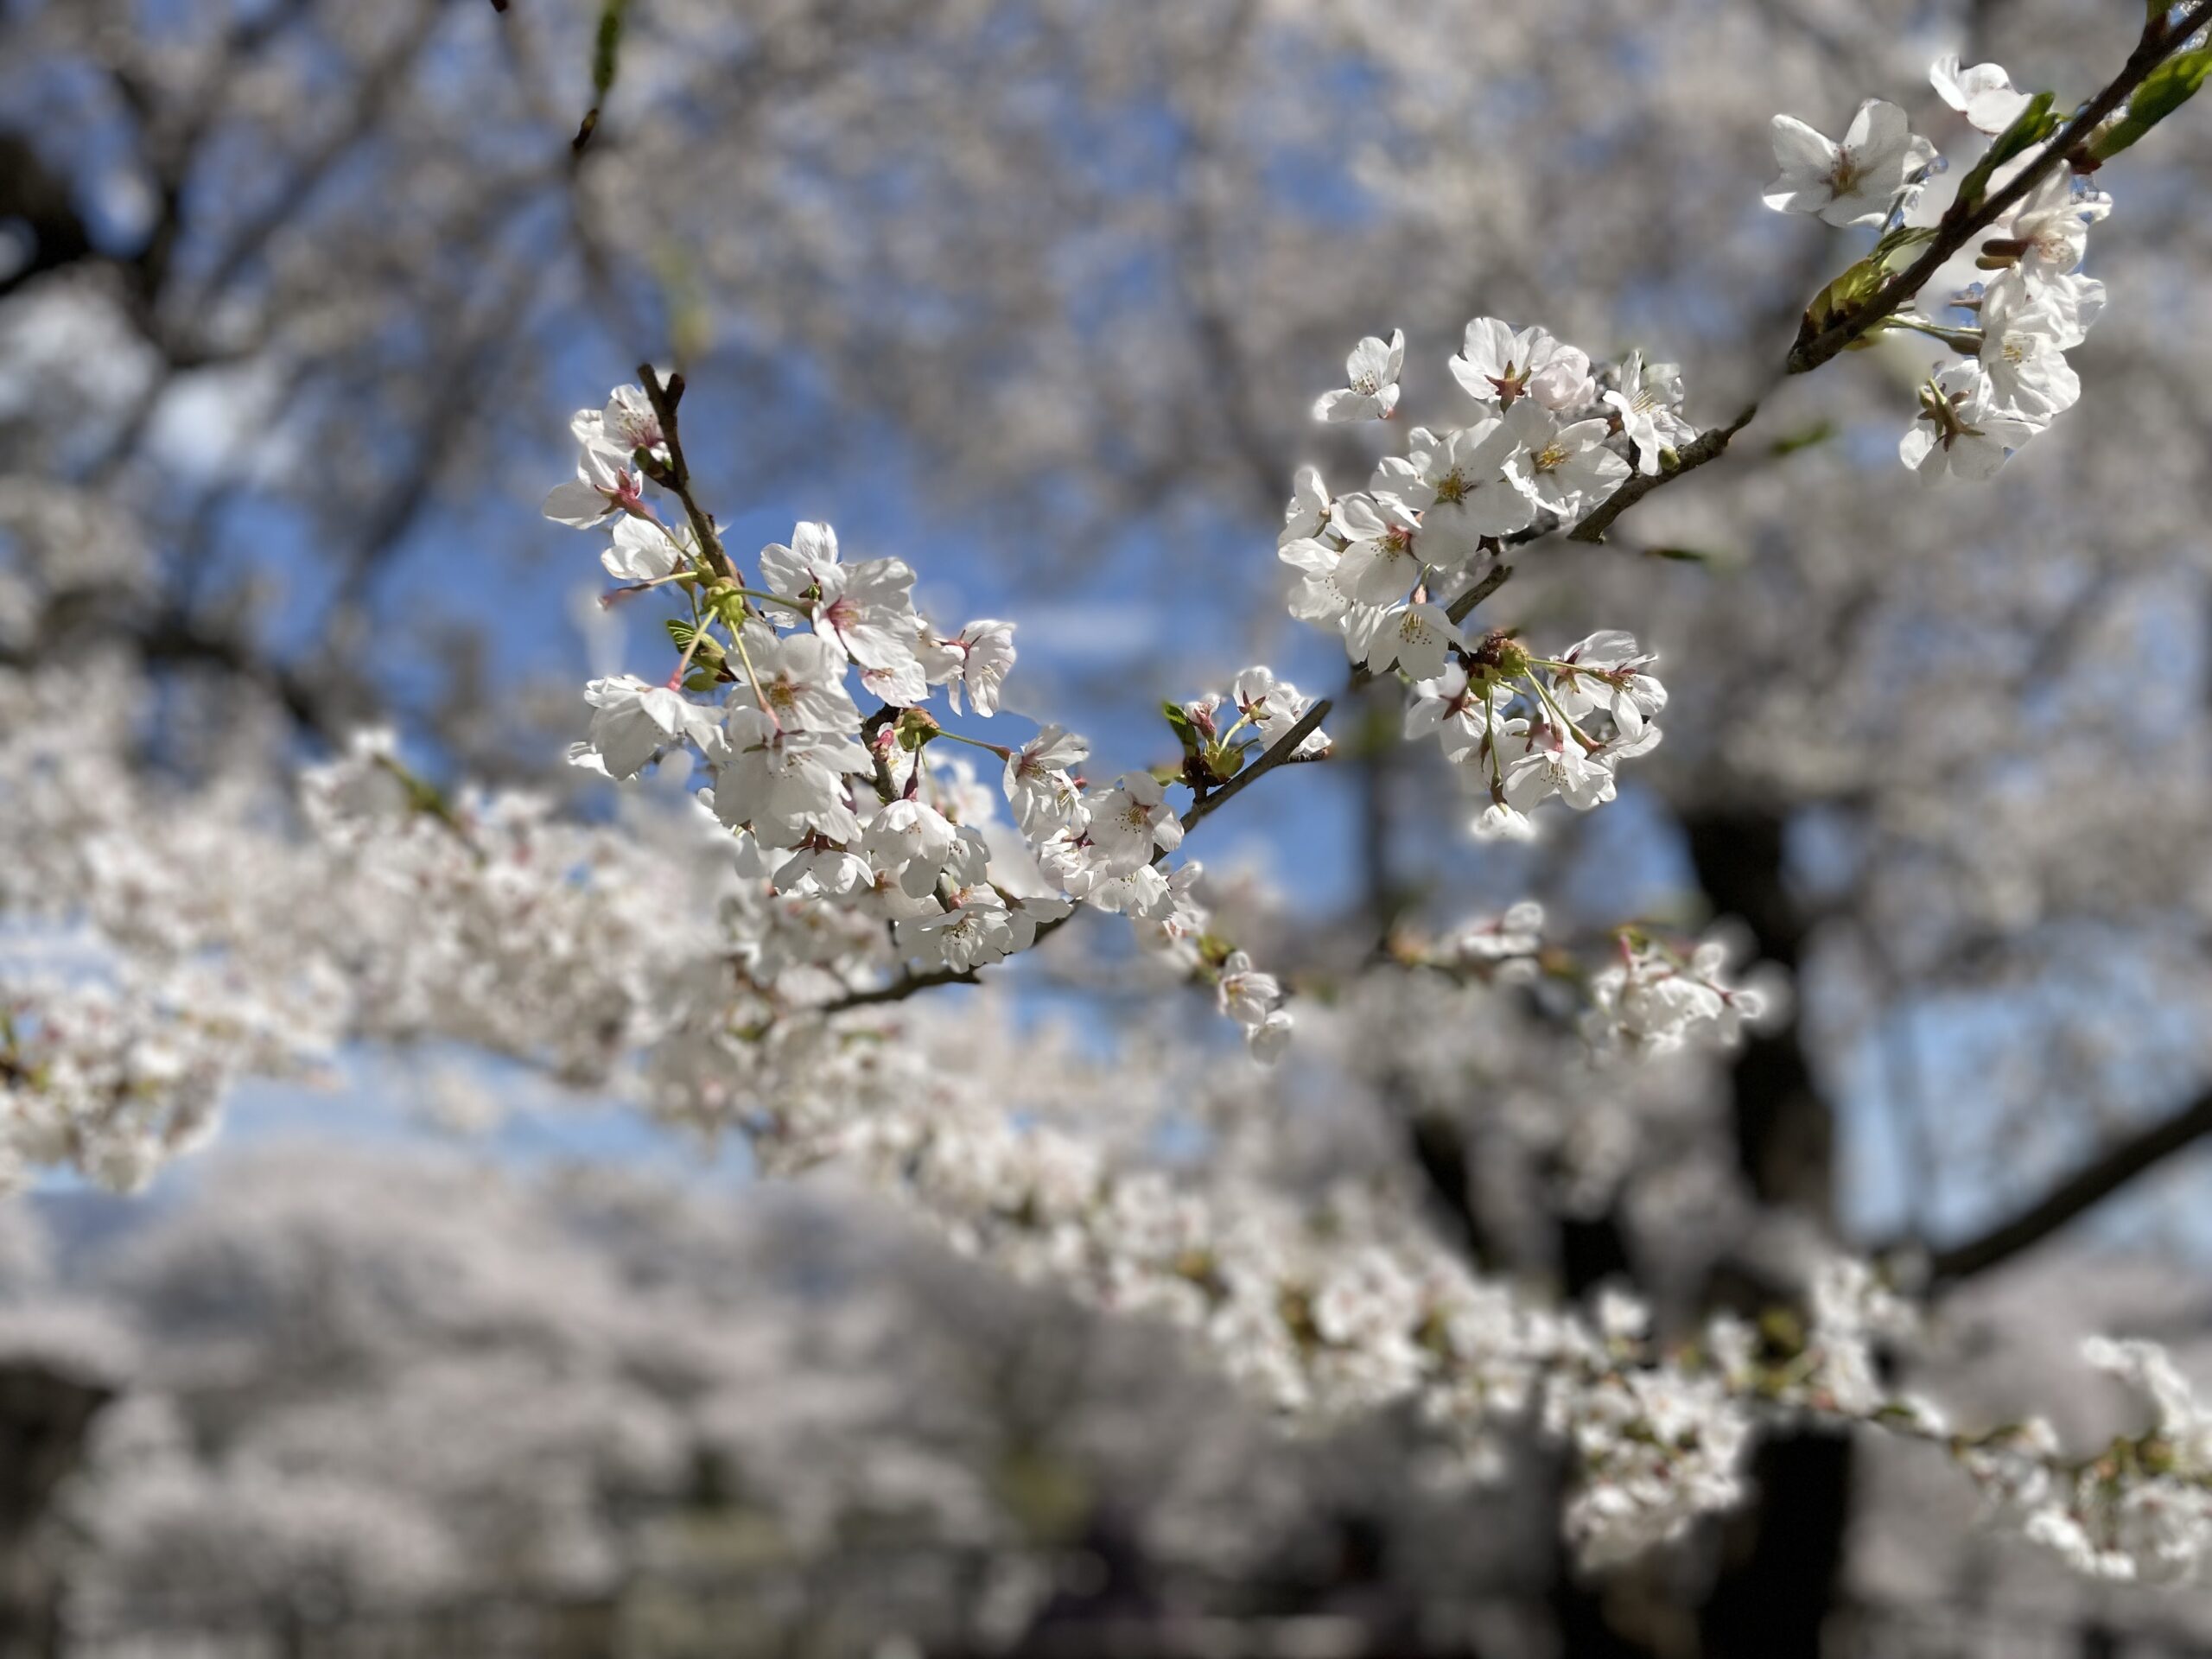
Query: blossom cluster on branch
{"type": "Point", "coordinates": [2010, 377]}
{"type": "Point", "coordinates": [738, 964]}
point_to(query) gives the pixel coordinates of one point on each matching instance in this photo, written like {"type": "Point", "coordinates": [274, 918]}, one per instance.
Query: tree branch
{"type": "Point", "coordinates": [2078, 1193]}
{"type": "Point", "coordinates": [2158, 42]}
{"type": "Point", "coordinates": [676, 475]}
{"type": "Point", "coordinates": [1709, 445]}
{"type": "Point", "coordinates": [899, 989]}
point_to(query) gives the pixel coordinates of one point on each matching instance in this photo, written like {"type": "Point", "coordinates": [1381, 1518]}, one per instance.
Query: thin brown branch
{"type": "Point", "coordinates": [1460, 608]}
{"type": "Point", "coordinates": [905, 985]}
{"type": "Point", "coordinates": [1278, 754]}
{"type": "Point", "coordinates": [676, 475]}
{"type": "Point", "coordinates": [1708, 445]}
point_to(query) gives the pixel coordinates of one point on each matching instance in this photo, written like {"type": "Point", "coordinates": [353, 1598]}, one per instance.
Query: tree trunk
{"type": "Point", "coordinates": [44, 1417]}
{"type": "Point", "coordinates": [1781, 1556]}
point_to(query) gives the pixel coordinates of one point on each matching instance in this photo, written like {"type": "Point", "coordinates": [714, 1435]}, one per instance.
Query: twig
{"type": "Point", "coordinates": [1278, 754]}
{"type": "Point", "coordinates": [904, 987]}
{"type": "Point", "coordinates": [1709, 445]}
{"type": "Point", "coordinates": [1460, 608]}
{"type": "Point", "coordinates": [677, 474]}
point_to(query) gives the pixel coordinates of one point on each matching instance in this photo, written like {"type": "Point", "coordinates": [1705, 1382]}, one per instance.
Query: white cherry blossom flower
{"type": "Point", "coordinates": [804, 567]}
{"type": "Point", "coordinates": [1457, 715]}
{"type": "Point", "coordinates": [1379, 560]}
{"type": "Point", "coordinates": [865, 610]}
{"type": "Point", "coordinates": [1498, 365]}
{"type": "Point", "coordinates": [1855, 181]}
{"type": "Point", "coordinates": [1605, 673]}
{"type": "Point", "coordinates": [974, 934]}
{"type": "Point", "coordinates": [1130, 820]}
{"type": "Point", "coordinates": [1142, 894]}
{"type": "Point", "coordinates": [912, 838]}
{"type": "Point", "coordinates": [1555, 763]}
{"type": "Point", "coordinates": [1323, 593]}
{"type": "Point", "coordinates": [632, 721]}
{"type": "Point", "coordinates": [1038, 784]}
{"type": "Point", "coordinates": [1983, 94]}
{"type": "Point", "coordinates": [1026, 912]}
{"type": "Point", "coordinates": [802, 677]}
{"type": "Point", "coordinates": [2074, 302]}
{"type": "Point", "coordinates": [1371, 376]}
{"type": "Point", "coordinates": [1275, 707]}
{"type": "Point", "coordinates": [602, 486]}
{"type": "Point", "coordinates": [784, 783]}
{"type": "Point", "coordinates": [1466, 491]}
{"type": "Point", "coordinates": [2023, 336]}
{"type": "Point", "coordinates": [1563, 468]}
{"type": "Point", "coordinates": [977, 657]}
{"type": "Point", "coordinates": [1306, 512]}
{"type": "Point", "coordinates": [1647, 404]}
{"type": "Point", "coordinates": [1246, 994]}
{"type": "Point", "coordinates": [1959, 429]}
{"type": "Point", "coordinates": [643, 550]}
{"type": "Point", "coordinates": [1499, 821]}
{"type": "Point", "coordinates": [1415, 639]}
{"type": "Point", "coordinates": [2049, 231]}
{"type": "Point", "coordinates": [626, 425]}
{"type": "Point", "coordinates": [1267, 1040]}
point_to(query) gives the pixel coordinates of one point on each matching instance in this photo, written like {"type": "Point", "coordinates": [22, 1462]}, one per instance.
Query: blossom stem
{"type": "Point", "coordinates": [1968, 341]}
{"type": "Point", "coordinates": [999, 749]}
{"type": "Point", "coordinates": [753, 678]}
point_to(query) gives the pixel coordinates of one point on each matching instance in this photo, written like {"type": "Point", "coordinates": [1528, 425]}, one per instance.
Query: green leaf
{"type": "Point", "coordinates": [1862, 281]}
{"type": "Point", "coordinates": [1790, 443]}
{"type": "Point", "coordinates": [2167, 88]}
{"type": "Point", "coordinates": [2033, 124]}
{"type": "Point", "coordinates": [605, 63]}
{"type": "Point", "coordinates": [607, 47]}
{"type": "Point", "coordinates": [1179, 721]}
{"type": "Point", "coordinates": [1685, 554]}
{"type": "Point", "coordinates": [1224, 760]}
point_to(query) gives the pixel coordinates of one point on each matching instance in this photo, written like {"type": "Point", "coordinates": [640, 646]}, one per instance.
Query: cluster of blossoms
{"type": "Point", "coordinates": [1521, 726]}
{"type": "Point", "coordinates": [1653, 998]}
{"type": "Point", "coordinates": [1396, 568]}
{"type": "Point", "coordinates": [2142, 1508]}
{"type": "Point", "coordinates": [2011, 378]}
{"type": "Point", "coordinates": [849, 812]}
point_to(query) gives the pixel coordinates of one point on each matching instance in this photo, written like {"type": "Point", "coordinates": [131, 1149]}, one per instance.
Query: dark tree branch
{"type": "Point", "coordinates": [2157, 43]}
{"type": "Point", "coordinates": [1709, 445]}
{"type": "Point", "coordinates": [900, 988]}
{"type": "Point", "coordinates": [2078, 1194]}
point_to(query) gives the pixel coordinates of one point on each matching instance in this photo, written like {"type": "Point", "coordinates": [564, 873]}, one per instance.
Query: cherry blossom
{"type": "Point", "coordinates": [1370, 392]}
{"type": "Point", "coordinates": [1500, 366]}
{"type": "Point", "coordinates": [1856, 180]}
{"type": "Point", "coordinates": [1961, 432]}
{"type": "Point", "coordinates": [1983, 94]}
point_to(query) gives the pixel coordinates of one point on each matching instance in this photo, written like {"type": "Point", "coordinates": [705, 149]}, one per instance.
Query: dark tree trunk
{"type": "Point", "coordinates": [44, 1417]}
{"type": "Point", "coordinates": [1781, 1556]}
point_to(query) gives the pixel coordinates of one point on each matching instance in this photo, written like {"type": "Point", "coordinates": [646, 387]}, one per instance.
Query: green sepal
{"type": "Point", "coordinates": [2165, 90]}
